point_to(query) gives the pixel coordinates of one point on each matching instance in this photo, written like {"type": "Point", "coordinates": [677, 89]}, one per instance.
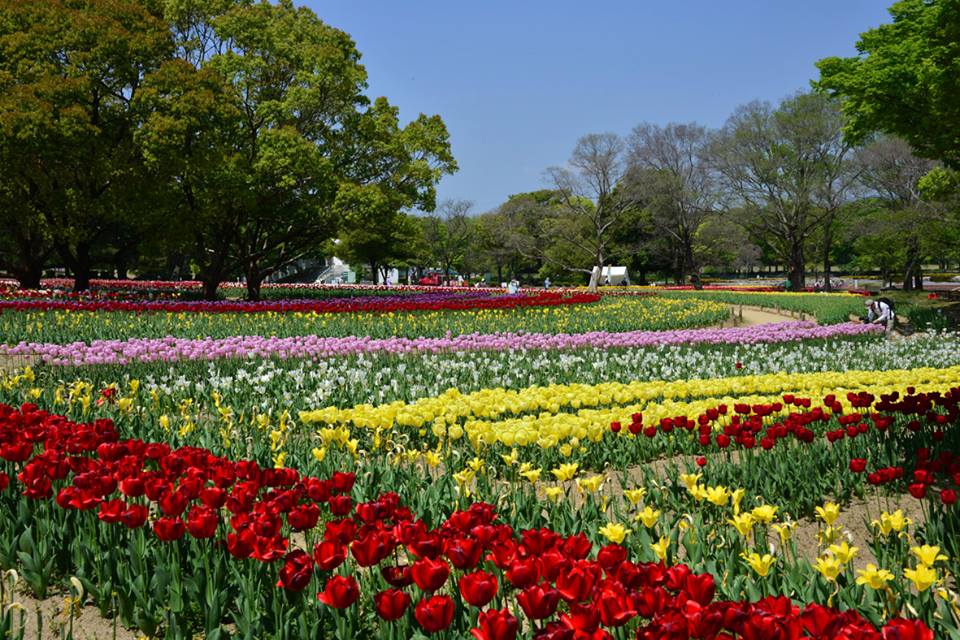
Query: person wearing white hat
{"type": "Point", "coordinates": [880, 311]}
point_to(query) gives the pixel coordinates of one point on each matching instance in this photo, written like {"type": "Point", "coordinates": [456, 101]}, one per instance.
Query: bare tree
{"type": "Point", "coordinates": [788, 168]}
{"type": "Point", "coordinates": [448, 234]}
{"type": "Point", "coordinates": [671, 176]}
{"type": "Point", "coordinates": [891, 172]}
{"type": "Point", "coordinates": [588, 202]}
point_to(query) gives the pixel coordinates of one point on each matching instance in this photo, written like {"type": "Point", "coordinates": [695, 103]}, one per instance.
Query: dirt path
{"type": "Point", "coordinates": [743, 316]}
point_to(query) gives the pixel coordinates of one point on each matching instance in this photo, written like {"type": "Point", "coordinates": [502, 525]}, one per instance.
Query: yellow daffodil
{"type": "Point", "coordinates": [635, 495]}
{"type": "Point", "coordinates": [760, 564]}
{"type": "Point", "coordinates": [923, 577]}
{"type": "Point", "coordinates": [614, 532]}
{"type": "Point", "coordinates": [829, 512]}
{"type": "Point", "coordinates": [873, 577]}
{"type": "Point", "coordinates": [165, 422]}
{"type": "Point", "coordinates": [829, 567]}
{"type": "Point", "coordinates": [928, 555]}
{"type": "Point", "coordinates": [649, 517]}
{"type": "Point", "coordinates": [743, 523]}
{"type": "Point", "coordinates": [660, 548]}
{"type": "Point", "coordinates": [843, 552]}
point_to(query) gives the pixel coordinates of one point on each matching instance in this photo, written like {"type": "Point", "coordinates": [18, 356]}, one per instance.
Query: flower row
{"type": "Point", "coordinates": [171, 349]}
{"type": "Point", "coordinates": [469, 572]}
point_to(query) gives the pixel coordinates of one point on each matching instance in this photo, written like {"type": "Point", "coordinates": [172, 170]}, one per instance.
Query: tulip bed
{"type": "Point", "coordinates": [378, 318]}
{"type": "Point", "coordinates": [598, 470]}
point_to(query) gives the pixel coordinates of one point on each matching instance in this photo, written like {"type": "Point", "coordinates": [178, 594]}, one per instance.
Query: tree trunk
{"type": "Point", "coordinates": [827, 265]}
{"type": "Point", "coordinates": [29, 276]}
{"type": "Point", "coordinates": [120, 263]}
{"type": "Point", "coordinates": [211, 283]}
{"type": "Point", "coordinates": [913, 259]}
{"type": "Point", "coordinates": [797, 266]}
{"type": "Point", "coordinates": [690, 267]}
{"type": "Point", "coordinates": [78, 261]}
{"type": "Point", "coordinates": [254, 282]}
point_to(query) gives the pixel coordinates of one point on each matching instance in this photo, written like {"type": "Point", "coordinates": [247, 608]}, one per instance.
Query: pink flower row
{"type": "Point", "coordinates": [172, 349]}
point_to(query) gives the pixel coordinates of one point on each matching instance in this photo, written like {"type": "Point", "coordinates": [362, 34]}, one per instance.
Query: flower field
{"type": "Point", "coordinates": [563, 467]}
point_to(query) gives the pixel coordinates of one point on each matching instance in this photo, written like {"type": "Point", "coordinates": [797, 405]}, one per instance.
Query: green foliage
{"type": "Point", "coordinates": [904, 80]}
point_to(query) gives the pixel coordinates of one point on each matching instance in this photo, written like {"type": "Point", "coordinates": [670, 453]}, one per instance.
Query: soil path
{"type": "Point", "coordinates": [743, 316]}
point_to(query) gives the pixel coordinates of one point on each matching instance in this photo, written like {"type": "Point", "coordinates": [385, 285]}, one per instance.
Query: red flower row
{"type": "Point", "coordinates": [555, 579]}
{"type": "Point", "coordinates": [447, 301]}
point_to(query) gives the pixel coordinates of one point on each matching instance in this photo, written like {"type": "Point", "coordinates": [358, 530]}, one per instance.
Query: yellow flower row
{"type": "Point", "coordinates": [553, 414]}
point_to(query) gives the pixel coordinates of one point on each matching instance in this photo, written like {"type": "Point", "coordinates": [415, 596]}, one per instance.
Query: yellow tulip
{"type": "Point", "coordinates": [532, 475]}
{"type": "Point", "coordinates": [923, 577]}
{"type": "Point", "coordinates": [829, 512]}
{"type": "Point", "coordinates": [718, 495]}
{"type": "Point", "coordinates": [892, 522]}
{"type": "Point", "coordinates": [743, 523]}
{"type": "Point", "coordinates": [927, 555]}
{"type": "Point", "coordinates": [565, 471]}
{"type": "Point", "coordinates": [736, 498]}
{"type": "Point", "coordinates": [660, 548]}
{"type": "Point", "coordinates": [614, 532]}
{"type": "Point", "coordinates": [635, 495]}
{"type": "Point", "coordinates": [765, 513]}
{"type": "Point", "coordinates": [873, 577]}
{"type": "Point", "coordinates": [760, 564]}
{"type": "Point", "coordinates": [589, 485]}
{"type": "Point", "coordinates": [785, 531]}
{"type": "Point", "coordinates": [649, 517]}
{"type": "Point", "coordinates": [553, 493]}
{"type": "Point", "coordinates": [829, 567]}
{"type": "Point", "coordinates": [690, 480]}
{"type": "Point", "coordinates": [843, 552]}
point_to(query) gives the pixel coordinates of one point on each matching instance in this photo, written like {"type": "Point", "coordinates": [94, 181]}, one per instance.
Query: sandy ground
{"type": "Point", "coordinates": [54, 613]}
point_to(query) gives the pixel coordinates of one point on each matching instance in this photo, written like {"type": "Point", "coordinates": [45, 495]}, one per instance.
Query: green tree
{"type": "Point", "coordinates": [904, 80]}
{"type": "Point", "coordinates": [787, 171]}
{"type": "Point", "coordinates": [70, 78]}
{"type": "Point", "coordinates": [448, 235]}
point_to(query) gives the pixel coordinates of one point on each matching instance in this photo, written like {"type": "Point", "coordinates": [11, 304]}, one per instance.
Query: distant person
{"type": "Point", "coordinates": [387, 281]}
{"type": "Point", "coordinates": [459, 281]}
{"type": "Point", "coordinates": [513, 287]}
{"type": "Point", "coordinates": [546, 283]}
{"type": "Point", "coordinates": [880, 311]}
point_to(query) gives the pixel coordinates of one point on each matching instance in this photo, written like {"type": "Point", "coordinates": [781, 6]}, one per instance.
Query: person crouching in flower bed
{"type": "Point", "coordinates": [880, 311]}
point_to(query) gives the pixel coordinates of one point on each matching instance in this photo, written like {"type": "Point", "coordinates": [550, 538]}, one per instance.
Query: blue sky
{"type": "Point", "coordinates": [518, 82]}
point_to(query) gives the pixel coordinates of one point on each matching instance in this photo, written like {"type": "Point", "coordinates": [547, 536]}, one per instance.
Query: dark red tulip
{"type": "Point", "coordinates": [391, 604]}
{"type": "Point", "coordinates": [434, 613]}
{"type": "Point", "coordinates": [478, 588]}
{"type": "Point", "coordinates": [495, 624]}
{"type": "Point", "coordinates": [429, 574]}
{"type": "Point", "coordinates": [340, 592]}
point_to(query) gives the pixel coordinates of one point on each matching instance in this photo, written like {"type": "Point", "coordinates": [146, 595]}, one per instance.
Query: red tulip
{"type": "Point", "coordinates": [901, 629]}
{"type": "Point", "coordinates": [435, 613]}
{"type": "Point", "coordinates": [296, 571]}
{"type": "Point", "coordinates": [391, 604]}
{"type": "Point", "coordinates": [478, 588]}
{"type": "Point", "coordinates": [329, 555]}
{"type": "Point", "coordinates": [495, 624]}
{"type": "Point", "coordinates": [538, 601]}
{"type": "Point", "coordinates": [858, 465]}
{"type": "Point", "coordinates": [523, 572]}
{"type": "Point", "coordinates": [340, 592]}
{"type": "Point", "coordinates": [576, 584]}
{"type": "Point", "coordinates": [303, 517]}
{"type": "Point", "coordinates": [370, 549]}
{"type": "Point", "coordinates": [168, 529]}
{"type": "Point", "coordinates": [615, 606]}
{"type": "Point", "coordinates": [429, 574]}
{"type": "Point", "coordinates": [202, 522]}
{"type": "Point", "coordinates": [948, 496]}
{"type": "Point", "coordinates": [918, 490]}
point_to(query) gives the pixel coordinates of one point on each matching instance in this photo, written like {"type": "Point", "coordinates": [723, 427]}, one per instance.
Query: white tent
{"type": "Point", "coordinates": [612, 276]}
